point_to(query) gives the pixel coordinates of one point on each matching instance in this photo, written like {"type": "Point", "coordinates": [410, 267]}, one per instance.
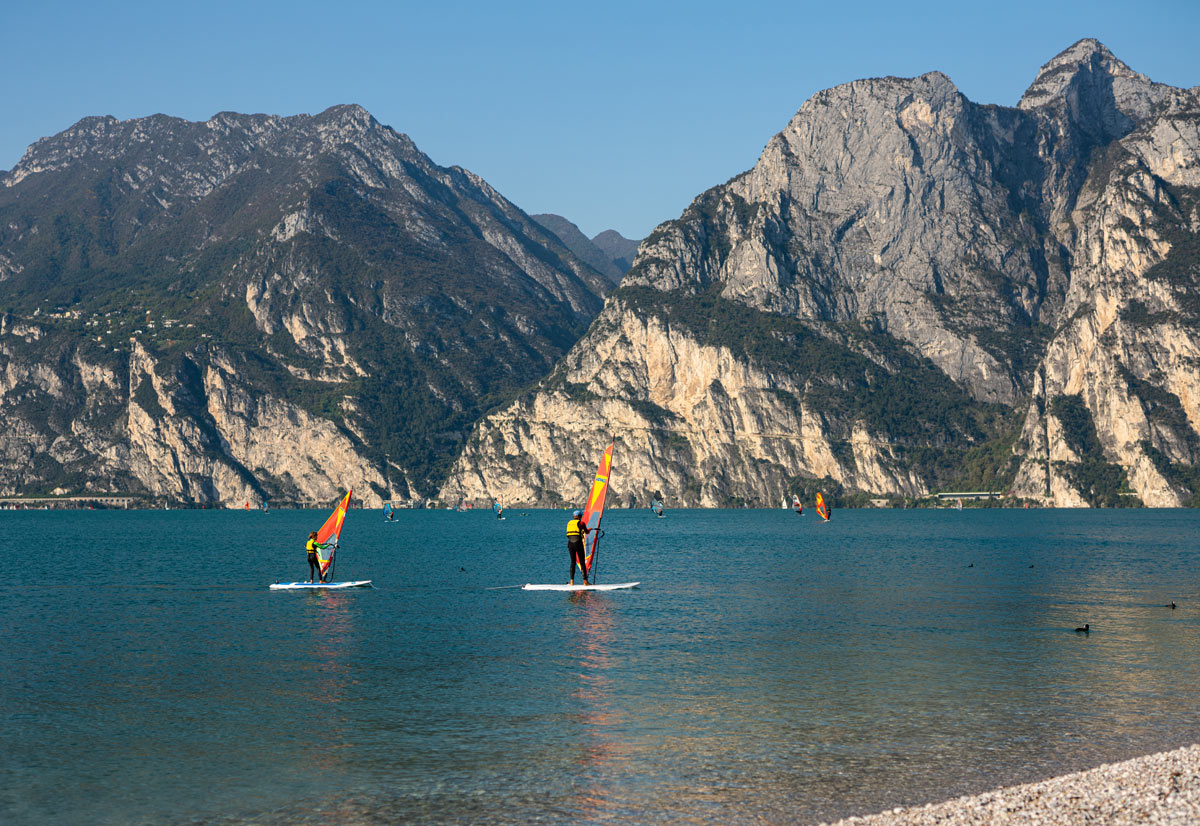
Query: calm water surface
{"type": "Point", "coordinates": [770, 669]}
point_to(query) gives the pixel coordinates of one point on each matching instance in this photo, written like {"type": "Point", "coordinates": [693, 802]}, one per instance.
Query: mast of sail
{"type": "Point", "coordinates": [594, 511]}
{"type": "Point", "coordinates": [331, 531]}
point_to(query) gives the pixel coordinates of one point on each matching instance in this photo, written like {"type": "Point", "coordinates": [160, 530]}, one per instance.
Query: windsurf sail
{"type": "Point", "coordinates": [594, 511]}
{"type": "Point", "coordinates": [822, 510]}
{"type": "Point", "coordinates": [498, 509]}
{"type": "Point", "coordinates": [331, 531]}
{"type": "Point", "coordinates": [657, 507]}
{"type": "Point", "coordinates": [387, 510]}
{"type": "Point", "coordinates": [797, 505]}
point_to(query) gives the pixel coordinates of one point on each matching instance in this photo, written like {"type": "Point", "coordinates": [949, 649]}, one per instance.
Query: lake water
{"type": "Point", "coordinates": [770, 669]}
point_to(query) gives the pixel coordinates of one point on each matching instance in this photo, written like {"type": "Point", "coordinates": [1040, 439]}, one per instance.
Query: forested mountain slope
{"type": "Point", "coordinates": [263, 307]}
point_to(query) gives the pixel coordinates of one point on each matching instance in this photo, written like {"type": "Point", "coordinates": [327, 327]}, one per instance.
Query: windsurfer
{"type": "Point", "coordinates": [314, 564]}
{"type": "Point", "coordinates": [577, 530]}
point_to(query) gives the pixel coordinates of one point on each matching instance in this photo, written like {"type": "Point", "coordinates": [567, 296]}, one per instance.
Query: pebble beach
{"type": "Point", "coordinates": [1159, 789]}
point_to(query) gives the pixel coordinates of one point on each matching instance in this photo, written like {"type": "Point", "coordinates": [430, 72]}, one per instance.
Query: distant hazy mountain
{"type": "Point", "coordinates": [609, 252]}
{"type": "Point", "coordinates": [909, 292]}
{"type": "Point", "coordinates": [259, 306]}
{"type": "Point", "coordinates": [618, 248]}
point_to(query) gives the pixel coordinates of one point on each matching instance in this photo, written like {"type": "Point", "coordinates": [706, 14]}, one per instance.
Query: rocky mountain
{"type": "Point", "coordinates": [263, 307]}
{"type": "Point", "coordinates": [609, 253]}
{"type": "Point", "coordinates": [908, 292]}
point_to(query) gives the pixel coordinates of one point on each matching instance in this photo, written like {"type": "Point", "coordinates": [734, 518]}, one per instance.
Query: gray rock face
{"type": "Point", "coordinates": [268, 305]}
{"type": "Point", "coordinates": [1013, 259]}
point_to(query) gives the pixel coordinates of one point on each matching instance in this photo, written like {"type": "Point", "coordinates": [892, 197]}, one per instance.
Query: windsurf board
{"type": "Point", "coordinates": [288, 586]}
{"type": "Point", "coordinates": [556, 587]}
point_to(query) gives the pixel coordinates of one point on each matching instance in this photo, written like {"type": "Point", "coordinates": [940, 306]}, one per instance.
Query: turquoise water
{"type": "Point", "coordinates": [770, 669]}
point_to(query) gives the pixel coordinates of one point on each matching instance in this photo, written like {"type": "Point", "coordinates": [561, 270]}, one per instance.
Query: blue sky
{"type": "Point", "coordinates": [614, 115]}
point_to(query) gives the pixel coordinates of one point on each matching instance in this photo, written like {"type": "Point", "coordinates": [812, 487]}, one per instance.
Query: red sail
{"type": "Point", "coordinates": [331, 530]}
{"type": "Point", "coordinates": [594, 511]}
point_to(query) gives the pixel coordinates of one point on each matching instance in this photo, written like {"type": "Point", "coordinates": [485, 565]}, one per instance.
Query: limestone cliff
{"type": "Point", "coordinates": [908, 292]}
{"type": "Point", "coordinates": [1127, 350]}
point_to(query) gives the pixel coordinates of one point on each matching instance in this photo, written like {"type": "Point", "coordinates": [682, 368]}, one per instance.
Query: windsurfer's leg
{"type": "Point", "coordinates": [577, 560]}
{"type": "Point", "coordinates": [576, 553]}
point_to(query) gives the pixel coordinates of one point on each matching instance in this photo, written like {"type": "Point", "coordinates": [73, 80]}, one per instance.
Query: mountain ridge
{"type": "Point", "coordinates": [232, 276]}
{"type": "Point", "coordinates": [892, 218]}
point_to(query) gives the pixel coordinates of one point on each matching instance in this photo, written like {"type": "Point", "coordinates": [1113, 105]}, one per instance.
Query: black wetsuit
{"type": "Point", "coordinates": [576, 531]}
{"type": "Point", "coordinates": [314, 564]}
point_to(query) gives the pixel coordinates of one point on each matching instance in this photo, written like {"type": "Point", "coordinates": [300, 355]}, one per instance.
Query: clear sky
{"type": "Point", "coordinates": [614, 114]}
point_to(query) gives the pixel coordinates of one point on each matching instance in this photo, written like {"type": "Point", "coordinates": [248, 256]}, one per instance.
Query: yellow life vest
{"type": "Point", "coordinates": [573, 528]}
{"type": "Point", "coordinates": [309, 546]}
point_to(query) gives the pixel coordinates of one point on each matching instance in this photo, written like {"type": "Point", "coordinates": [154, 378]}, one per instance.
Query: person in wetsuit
{"type": "Point", "coordinates": [577, 531]}
{"type": "Point", "coordinates": [314, 564]}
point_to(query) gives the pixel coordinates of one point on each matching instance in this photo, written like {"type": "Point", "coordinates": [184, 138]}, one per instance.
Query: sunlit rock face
{"type": "Point", "coordinates": [908, 292]}
{"type": "Point", "coordinates": [260, 307]}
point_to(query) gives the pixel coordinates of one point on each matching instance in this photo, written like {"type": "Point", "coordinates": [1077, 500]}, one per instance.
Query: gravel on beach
{"type": "Point", "coordinates": [1159, 789]}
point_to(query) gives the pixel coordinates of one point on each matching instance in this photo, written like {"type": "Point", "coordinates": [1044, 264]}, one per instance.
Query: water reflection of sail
{"type": "Point", "coordinates": [600, 748]}
{"type": "Point", "coordinates": [332, 626]}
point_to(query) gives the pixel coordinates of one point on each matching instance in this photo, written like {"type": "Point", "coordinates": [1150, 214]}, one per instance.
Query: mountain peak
{"type": "Point", "coordinates": [1086, 62]}
{"type": "Point", "coordinates": [348, 114]}
{"type": "Point", "coordinates": [1082, 51]}
{"type": "Point", "coordinates": [1091, 88]}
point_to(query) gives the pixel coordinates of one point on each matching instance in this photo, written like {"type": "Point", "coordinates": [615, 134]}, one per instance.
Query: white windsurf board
{"type": "Point", "coordinates": [614, 587]}
{"type": "Point", "coordinates": [289, 586]}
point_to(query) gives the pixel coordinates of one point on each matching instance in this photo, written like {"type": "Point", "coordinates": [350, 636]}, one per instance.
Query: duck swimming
{"type": "Point", "coordinates": [1087, 627]}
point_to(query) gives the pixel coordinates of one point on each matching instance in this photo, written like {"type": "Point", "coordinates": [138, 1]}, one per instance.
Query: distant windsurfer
{"type": "Point", "coordinates": [577, 531]}
{"type": "Point", "coordinates": [314, 564]}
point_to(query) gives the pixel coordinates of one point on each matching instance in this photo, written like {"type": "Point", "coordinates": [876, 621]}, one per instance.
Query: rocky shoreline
{"type": "Point", "coordinates": [1160, 788]}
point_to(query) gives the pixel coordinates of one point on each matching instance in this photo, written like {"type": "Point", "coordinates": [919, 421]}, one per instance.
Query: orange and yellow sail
{"type": "Point", "coordinates": [822, 509]}
{"type": "Point", "coordinates": [331, 530]}
{"type": "Point", "coordinates": [594, 511]}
